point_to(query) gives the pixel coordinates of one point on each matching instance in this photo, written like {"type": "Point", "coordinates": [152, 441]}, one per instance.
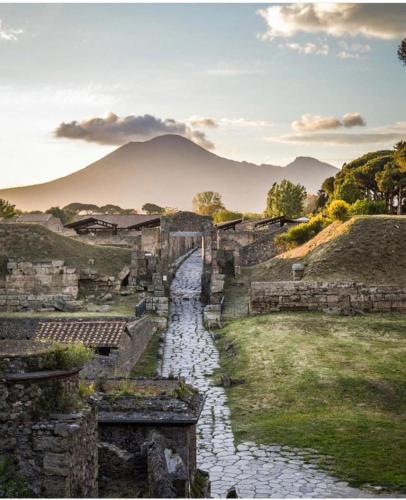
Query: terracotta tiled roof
{"type": "Point", "coordinates": [91, 333]}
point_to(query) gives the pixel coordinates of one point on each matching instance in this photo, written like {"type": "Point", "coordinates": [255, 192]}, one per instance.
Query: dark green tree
{"type": "Point", "coordinates": [402, 51]}
{"type": "Point", "coordinates": [285, 198]}
{"type": "Point", "coordinates": [7, 210]}
{"type": "Point", "coordinates": [151, 208]}
{"type": "Point", "coordinates": [60, 213]}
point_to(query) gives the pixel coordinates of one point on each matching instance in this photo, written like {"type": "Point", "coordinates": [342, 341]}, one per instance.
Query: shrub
{"type": "Point", "coordinates": [368, 207]}
{"type": "Point", "coordinates": [339, 210]}
{"type": "Point", "coordinates": [297, 235]}
{"type": "Point", "coordinates": [66, 357]}
{"type": "Point", "coordinates": [224, 215]}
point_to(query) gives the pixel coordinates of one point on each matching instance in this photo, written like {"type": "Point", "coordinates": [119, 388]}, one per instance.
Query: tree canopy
{"type": "Point", "coordinates": [402, 51]}
{"type": "Point", "coordinates": [376, 176]}
{"type": "Point", "coordinates": [7, 210]}
{"type": "Point", "coordinates": [151, 208]}
{"type": "Point", "coordinates": [224, 215]}
{"type": "Point", "coordinates": [285, 198]}
{"type": "Point", "coordinates": [207, 203]}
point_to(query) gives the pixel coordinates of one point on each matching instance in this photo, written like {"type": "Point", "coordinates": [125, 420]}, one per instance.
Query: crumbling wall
{"type": "Point", "coordinates": [55, 450]}
{"type": "Point", "coordinates": [32, 285]}
{"type": "Point", "coordinates": [340, 297]}
{"type": "Point", "coordinates": [121, 361]}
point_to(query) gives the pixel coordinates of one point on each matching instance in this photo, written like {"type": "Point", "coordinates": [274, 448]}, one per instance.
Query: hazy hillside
{"type": "Point", "coordinates": [167, 170]}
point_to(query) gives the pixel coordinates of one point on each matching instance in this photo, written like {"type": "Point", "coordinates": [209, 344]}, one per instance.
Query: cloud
{"type": "Point", "coordinates": [9, 34]}
{"type": "Point", "coordinates": [321, 49]}
{"type": "Point", "coordinates": [383, 21]}
{"type": "Point", "coordinates": [311, 123]}
{"type": "Point", "coordinates": [244, 123]}
{"type": "Point", "coordinates": [197, 121]}
{"type": "Point", "coordinates": [115, 130]}
{"type": "Point", "coordinates": [353, 120]}
{"type": "Point", "coordinates": [236, 69]}
{"type": "Point", "coordinates": [379, 135]}
{"type": "Point", "coordinates": [344, 139]}
{"type": "Point", "coordinates": [352, 51]}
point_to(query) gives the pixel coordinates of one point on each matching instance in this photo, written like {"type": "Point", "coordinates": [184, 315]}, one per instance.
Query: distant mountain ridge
{"type": "Point", "coordinates": [168, 170]}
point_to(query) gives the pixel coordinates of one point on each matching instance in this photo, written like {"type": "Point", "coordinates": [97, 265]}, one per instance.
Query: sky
{"type": "Point", "coordinates": [257, 82]}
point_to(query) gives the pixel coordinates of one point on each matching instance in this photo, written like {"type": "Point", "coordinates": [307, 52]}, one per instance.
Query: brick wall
{"type": "Point", "coordinates": [340, 297]}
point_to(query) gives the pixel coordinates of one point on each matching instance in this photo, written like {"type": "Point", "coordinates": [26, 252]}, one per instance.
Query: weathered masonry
{"type": "Point", "coordinates": [159, 251]}
{"type": "Point", "coordinates": [339, 297]}
{"type": "Point", "coordinates": [147, 437]}
{"type": "Point", "coordinates": [33, 285]}
{"type": "Point", "coordinates": [46, 432]}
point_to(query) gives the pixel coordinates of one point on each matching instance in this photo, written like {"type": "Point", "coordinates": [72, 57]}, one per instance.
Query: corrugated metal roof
{"type": "Point", "coordinates": [90, 333]}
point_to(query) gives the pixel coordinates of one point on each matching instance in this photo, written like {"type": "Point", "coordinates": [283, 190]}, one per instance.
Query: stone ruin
{"type": "Point", "coordinates": [130, 438]}
{"type": "Point", "coordinates": [148, 427]}
{"type": "Point", "coordinates": [53, 286]}
{"type": "Point", "coordinates": [46, 432]}
{"type": "Point", "coordinates": [159, 251]}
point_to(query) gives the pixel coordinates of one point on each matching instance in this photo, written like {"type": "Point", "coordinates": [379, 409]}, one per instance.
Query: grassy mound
{"type": "Point", "coordinates": [371, 249]}
{"type": "Point", "coordinates": [37, 243]}
{"type": "Point", "coordinates": [333, 384]}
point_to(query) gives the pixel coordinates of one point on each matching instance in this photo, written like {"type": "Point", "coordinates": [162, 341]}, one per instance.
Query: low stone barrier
{"type": "Point", "coordinates": [337, 297]}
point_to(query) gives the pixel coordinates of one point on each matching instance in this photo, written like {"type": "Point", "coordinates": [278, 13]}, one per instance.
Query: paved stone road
{"type": "Point", "coordinates": [256, 471]}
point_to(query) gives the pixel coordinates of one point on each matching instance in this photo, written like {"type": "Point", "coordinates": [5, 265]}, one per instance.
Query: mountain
{"type": "Point", "coordinates": [167, 170]}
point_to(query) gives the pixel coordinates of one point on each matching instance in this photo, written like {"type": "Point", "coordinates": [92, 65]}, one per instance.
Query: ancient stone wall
{"type": "Point", "coordinates": [340, 297]}
{"type": "Point", "coordinates": [31, 285]}
{"type": "Point", "coordinates": [44, 428]}
{"type": "Point", "coordinates": [261, 249]}
{"type": "Point", "coordinates": [121, 361]}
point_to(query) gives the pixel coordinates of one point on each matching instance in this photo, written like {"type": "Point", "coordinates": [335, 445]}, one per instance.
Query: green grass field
{"type": "Point", "coordinates": [334, 384]}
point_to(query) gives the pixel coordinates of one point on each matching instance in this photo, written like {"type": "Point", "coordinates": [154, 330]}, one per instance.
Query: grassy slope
{"type": "Point", "coordinates": [147, 365]}
{"type": "Point", "coordinates": [335, 384]}
{"type": "Point", "coordinates": [34, 242]}
{"type": "Point", "coordinates": [371, 249]}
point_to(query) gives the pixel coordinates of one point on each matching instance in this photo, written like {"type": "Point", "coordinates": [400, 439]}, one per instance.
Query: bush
{"type": "Point", "coordinates": [339, 210]}
{"type": "Point", "coordinates": [224, 215]}
{"type": "Point", "coordinates": [66, 357]}
{"type": "Point", "coordinates": [297, 235]}
{"type": "Point", "coordinates": [368, 207]}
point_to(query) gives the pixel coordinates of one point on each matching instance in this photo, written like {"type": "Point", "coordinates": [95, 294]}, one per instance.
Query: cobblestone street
{"type": "Point", "coordinates": [255, 470]}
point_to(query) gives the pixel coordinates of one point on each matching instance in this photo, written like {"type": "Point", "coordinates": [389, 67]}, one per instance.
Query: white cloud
{"type": "Point", "coordinates": [383, 21]}
{"type": "Point", "coordinates": [9, 34]}
{"type": "Point", "coordinates": [198, 121]}
{"type": "Point", "coordinates": [352, 51]}
{"type": "Point", "coordinates": [383, 135]}
{"type": "Point", "coordinates": [112, 129]}
{"type": "Point", "coordinates": [310, 123]}
{"type": "Point", "coordinates": [321, 49]}
{"type": "Point", "coordinates": [244, 123]}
